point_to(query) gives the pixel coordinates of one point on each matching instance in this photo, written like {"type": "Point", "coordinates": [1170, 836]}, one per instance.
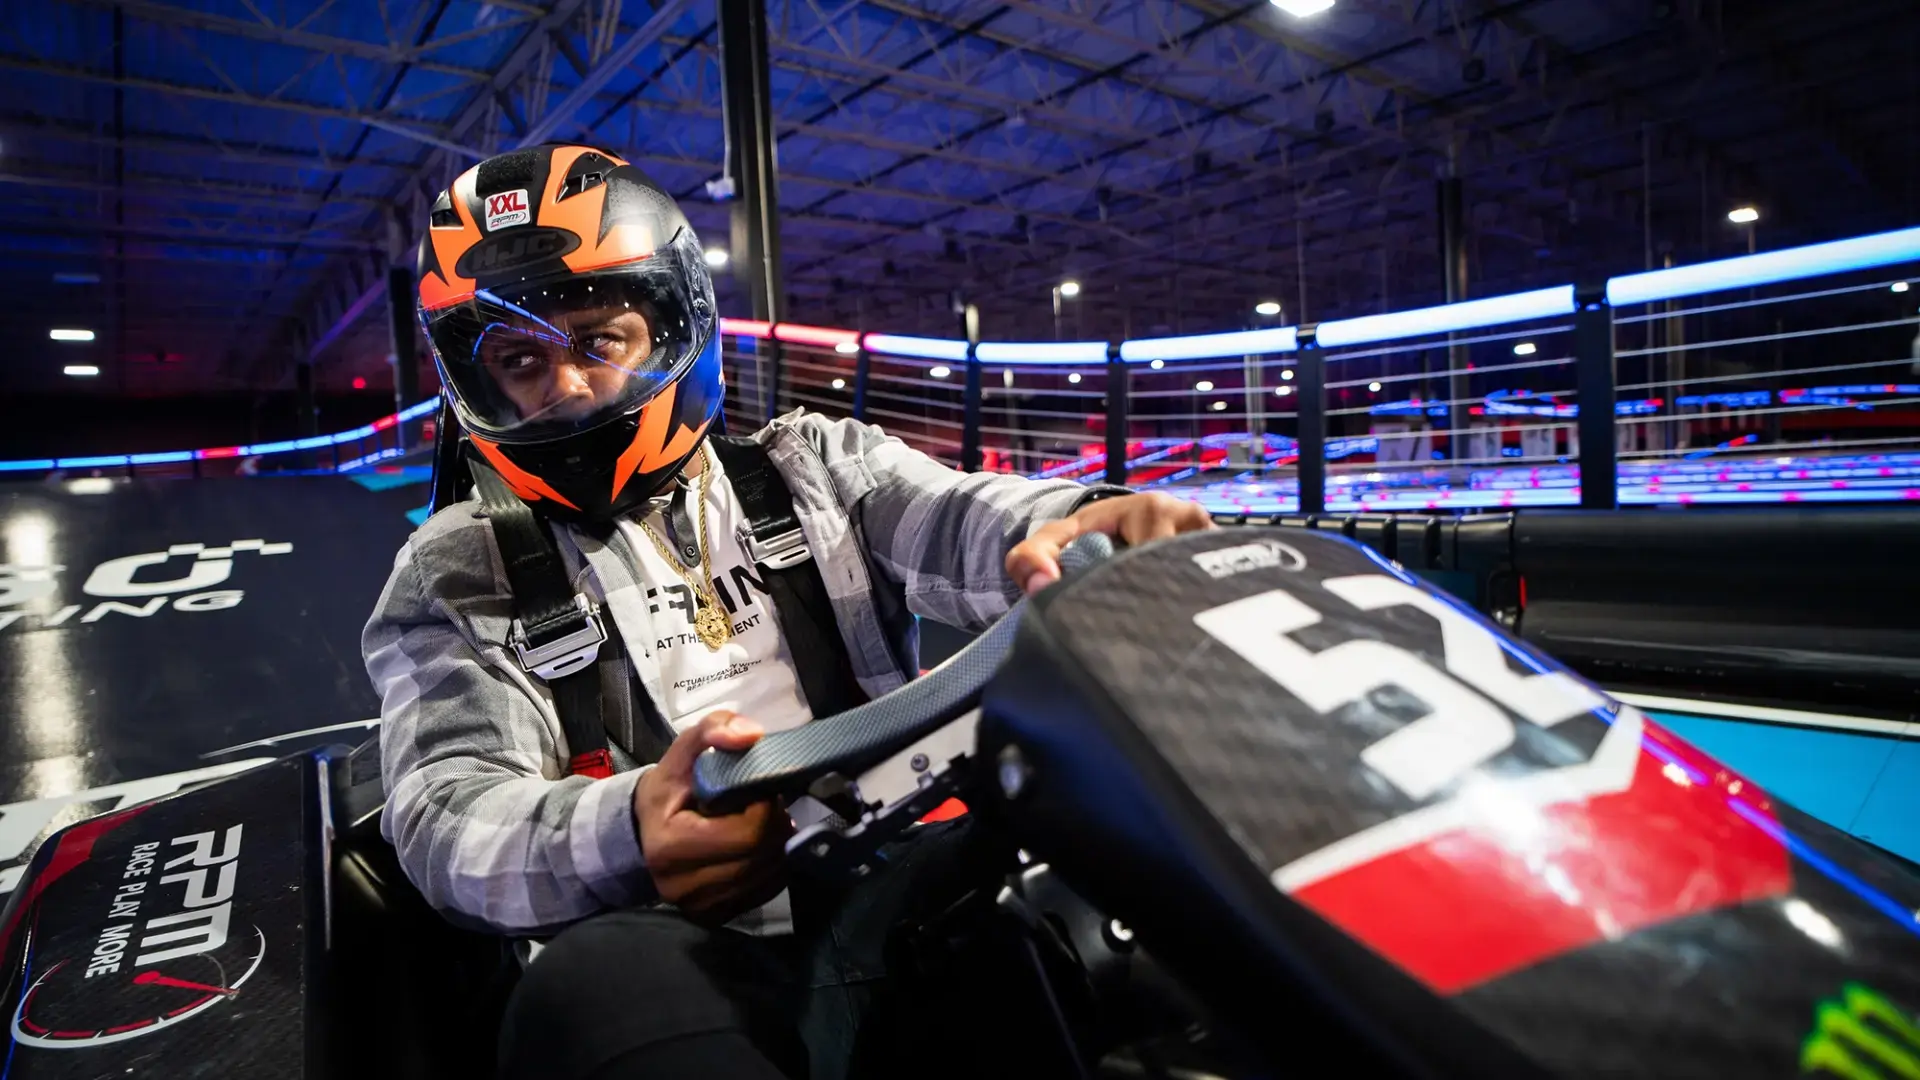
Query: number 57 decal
{"type": "Point", "coordinates": [1467, 722]}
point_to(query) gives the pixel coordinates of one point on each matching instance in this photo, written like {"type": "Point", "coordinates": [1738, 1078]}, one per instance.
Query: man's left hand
{"type": "Point", "coordinates": [1136, 519]}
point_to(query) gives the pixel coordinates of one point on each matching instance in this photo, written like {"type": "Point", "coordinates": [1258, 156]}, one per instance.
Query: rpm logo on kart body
{"type": "Point", "coordinates": [1259, 555]}
{"type": "Point", "coordinates": [166, 951]}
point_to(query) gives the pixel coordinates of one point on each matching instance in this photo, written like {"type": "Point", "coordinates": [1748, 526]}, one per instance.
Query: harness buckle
{"type": "Point", "coordinates": [566, 654]}
{"type": "Point", "coordinates": [780, 551]}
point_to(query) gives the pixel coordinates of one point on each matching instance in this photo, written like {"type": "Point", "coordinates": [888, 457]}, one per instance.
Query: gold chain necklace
{"type": "Point", "coordinates": [710, 624]}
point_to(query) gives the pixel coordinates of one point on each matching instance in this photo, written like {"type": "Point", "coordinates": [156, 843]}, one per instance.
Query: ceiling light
{"type": "Point", "coordinates": [1069, 289]}
{"type": "Point", "coordinates": [1202, 386]}
{"type": "Point", "coordinates": [1286, 373]}
{"type": "Point", "coordinates": [1743, 215]}
{"type": "Point", "coordinates": [1899, 286]}
{"type": "Point", "coordinates": [1282, 391]}
{"type": "Point", "coordinates": [1301, 9]}
{"type": "Point", "coordinates": [846, 348]}
{"type": "Point", "coordinates": [940, 371]}
{"type": "Point", "coordinates": [1525, 348]}
{"type": "Point", "coordinates": [1074, 378]}
{"type": "Point", "coordinates": [1219, 406]}
{"type": "Point", "coordinates": [1267, 307]}
{"type": "Point", "coordinates": [716, 257]}
{"type": "Point", "coordinates": [70, 335]}
{"type": "Point", "coordinates": [83, 371]}
{"type": "Point", "coordinates": [1374, 387]}
{"type": "Point", "coordinates": [1157, 364]}
{"type": "Point", "coordinates": [839, 384]}
{"type": "Point", "coordinates": [91, 485]}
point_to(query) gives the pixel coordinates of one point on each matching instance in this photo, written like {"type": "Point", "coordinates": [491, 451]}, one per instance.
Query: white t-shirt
{"type": "Point", "coordinates": [753, 673]}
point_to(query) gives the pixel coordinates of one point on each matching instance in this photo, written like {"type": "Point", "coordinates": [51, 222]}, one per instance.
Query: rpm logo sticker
{"type": "Point", "coordinates": [508, 208]}
{"type": "Point", "coordinates": [1259, 555]}
{"type": "Point", "coordinates": [166, 950]}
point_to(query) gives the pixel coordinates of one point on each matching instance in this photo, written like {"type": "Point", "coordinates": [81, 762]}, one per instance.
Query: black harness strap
{"type": "Point", "coordinates": [792, 576]}
{"type": "Point", "coordinates": [557, 632]}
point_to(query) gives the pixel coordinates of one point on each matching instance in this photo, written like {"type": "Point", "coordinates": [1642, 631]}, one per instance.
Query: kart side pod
{"type": "Point", "coordinates": [1362, 823]}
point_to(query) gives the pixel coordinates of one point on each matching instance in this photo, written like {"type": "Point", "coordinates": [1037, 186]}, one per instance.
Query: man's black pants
{"type": "Point", "coordinates": [649, 995]}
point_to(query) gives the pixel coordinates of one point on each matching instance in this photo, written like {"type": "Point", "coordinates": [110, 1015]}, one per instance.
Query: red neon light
{"type": "Point", "coordinates": [746, 328]}
{"type": "Point", "coordinates": [220, 452]}
{"type": "Point", "coordinates": [385, 422]}
{"type": "Point", "coordinates": [815, 335]}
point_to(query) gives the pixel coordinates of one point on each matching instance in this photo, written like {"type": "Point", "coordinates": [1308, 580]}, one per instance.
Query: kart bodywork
{"type": "Point", "coordinates": [1356, 828]}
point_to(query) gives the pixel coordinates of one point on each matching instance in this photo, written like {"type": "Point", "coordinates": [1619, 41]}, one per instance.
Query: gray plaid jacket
{"type": "Point", "coordinates": [486, 821]}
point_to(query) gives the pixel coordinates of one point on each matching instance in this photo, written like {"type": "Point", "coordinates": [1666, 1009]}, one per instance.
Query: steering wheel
{"type": "Point", "coordinates": [859, 777]}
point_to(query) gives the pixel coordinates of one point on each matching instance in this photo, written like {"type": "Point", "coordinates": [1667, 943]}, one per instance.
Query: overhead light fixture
{"type": "Point", "coordinates": [1202, 386]}
{"type": "Point", "coordinates": [839, 384]}
{"type": "Point", "coordinates": [940, 371]}
{"type": "Point", "coordinates": [1219, 406]}
{"type": "Point", "coordinates": [1373, 387]}
{"type": "Point", "coordinates": [81, 371]}
{"type": "Point", "coordinates": [846, 348]}
{"type": "Point", "coordinates": [1069, 289]}
{"type": "Point", "coordinates": [1899, 286]}
{"type": "Point", "coordinates": [1302, 9]}
{"type": "Point", "coordinates": [1282, 391]}
{"type": "Point", "coordinates": [1267, 307]}
{"type": "Point", "coordinates": [1743, 215]}
{"type": "Point", "coordinates": [1157, 364]}
{"type": "Point", "coordinates": [1074, 378]}
{"type": "Point", "coordinates": [1525, 348]}
{"type": "Point", "coordinates": [717, 257]}
{"type": "Point", "coordinates": [70, 335]}
{"type": "Point", "coordinates": [1286, 373]}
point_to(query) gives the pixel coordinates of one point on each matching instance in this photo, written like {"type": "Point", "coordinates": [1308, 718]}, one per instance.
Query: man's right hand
{"type": "Point", "coordinates": [712, 868]}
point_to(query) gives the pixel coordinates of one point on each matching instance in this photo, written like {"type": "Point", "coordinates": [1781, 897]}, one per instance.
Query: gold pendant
{"type": "Point", "coordinates": [712, 627]}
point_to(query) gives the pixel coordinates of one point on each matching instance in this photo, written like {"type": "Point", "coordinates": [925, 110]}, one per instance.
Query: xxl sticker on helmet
{"type": "Point", "coordinates": [1498, 868]}
{"type": "Point", "coordinates": [508, 208]}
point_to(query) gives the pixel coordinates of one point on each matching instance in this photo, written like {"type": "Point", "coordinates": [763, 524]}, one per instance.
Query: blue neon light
{"type": "Point", "coordinates": [313, 443]}
{"type": "Point", "coordinates": [1470, 315]}
{"type": "Point", "coordinates": [1040, 352]}
{"type": "Point", "coordinates": [26, 466]}
{"type": "Point", "coordinates": [92, 462]}
{"type": "Point", "coordinates": [1879, 901]}
{"type": "Point", "coordinates": [1747, 271]}
{"type": "Point", "coordinates": [160, 459]}
{"type": "Point", "coordinates": [1207, 346]}
{"type": "Point", "coordinates": [925, 348]}
{"type": "Point", "coordinates": [267, 448]}
{"type": "Point", "coordinates": [1751, 399]}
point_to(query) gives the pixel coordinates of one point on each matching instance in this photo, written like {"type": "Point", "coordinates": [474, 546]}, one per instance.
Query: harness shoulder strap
{"type": "Point", "coordinates": [799, 594]}
{"type": "Point", "coordinates": [557, 632]}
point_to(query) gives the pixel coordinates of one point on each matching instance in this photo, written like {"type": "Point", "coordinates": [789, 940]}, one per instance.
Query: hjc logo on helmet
{"type": "Point", "coordinates": [508, 208]}
{"type": "Point", "coordinates": [510, 251]}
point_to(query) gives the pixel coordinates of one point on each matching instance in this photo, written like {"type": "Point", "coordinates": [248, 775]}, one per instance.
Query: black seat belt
{"type": "Point", "coordinates": [557, 632]}
{"type": "Point", "coordinates": [792, 575]}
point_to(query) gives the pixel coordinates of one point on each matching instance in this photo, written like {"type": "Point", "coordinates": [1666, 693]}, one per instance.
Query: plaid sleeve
{"type": "Point", "coordinates": [941, 534]}
{"type": "Point", "coordinates": [485, 821]}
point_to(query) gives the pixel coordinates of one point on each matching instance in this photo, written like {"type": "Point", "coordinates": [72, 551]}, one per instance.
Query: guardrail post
{"type": "Point", "coordinates": [1312, 396]}
{"type": "Point", "coordinates": [1119, 390]}
{"type": "Point", "coordinates": [773, 369]}
{"type": "Point", "coordinates": [862, 369]}
{"type": "Point", "coordinates": [1594, 386]}
{"type": "Point", "coordinates": [970, 414]}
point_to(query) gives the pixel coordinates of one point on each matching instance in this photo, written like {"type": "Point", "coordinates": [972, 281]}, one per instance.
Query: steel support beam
{"type": "Point", "coordinates": [747, 107]}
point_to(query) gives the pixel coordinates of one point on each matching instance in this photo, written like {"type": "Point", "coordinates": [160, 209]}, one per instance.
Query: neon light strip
{"type": "Point", "coordinates": [925, 348]}
{"type": "Point", "coordinates": [746, 328]}
{"type": "Point", "coordinates": [1209, 346]}
{"type": "Point", "coordinates": [1471, 315]}
{"type": "Point", "coordinates": [824, 336]}
{"type": "Point", "coordinates": [1041, 352]}
{"type": "Point", "coordinates": [1747, 271]}
{"type": "Point", "coordinates": [411, 412]}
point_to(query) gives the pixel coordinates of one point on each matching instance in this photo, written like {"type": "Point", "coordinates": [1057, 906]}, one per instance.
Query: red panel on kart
{"type": "Point", "coordinates": [1509, 891]}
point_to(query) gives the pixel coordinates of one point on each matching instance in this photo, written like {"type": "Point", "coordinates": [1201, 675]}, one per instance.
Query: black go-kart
{"type": "Point", "coordinates": [1269, 807]}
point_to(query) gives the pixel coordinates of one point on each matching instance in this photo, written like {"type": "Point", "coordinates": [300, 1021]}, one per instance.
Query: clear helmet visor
{"type": "Point", "coordinates": [549, 358]}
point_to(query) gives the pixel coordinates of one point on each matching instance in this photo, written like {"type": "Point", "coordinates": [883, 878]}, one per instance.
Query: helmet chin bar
{"type": "Point", "coordinates": [841, 822]}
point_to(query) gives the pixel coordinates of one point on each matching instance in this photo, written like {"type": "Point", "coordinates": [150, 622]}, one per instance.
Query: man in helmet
{"type": "Point", "coordinates": [572, 320]}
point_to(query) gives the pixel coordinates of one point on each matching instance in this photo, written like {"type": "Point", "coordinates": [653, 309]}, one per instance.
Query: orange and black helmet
{"type": "Point", "coordinates": [572, 318]}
